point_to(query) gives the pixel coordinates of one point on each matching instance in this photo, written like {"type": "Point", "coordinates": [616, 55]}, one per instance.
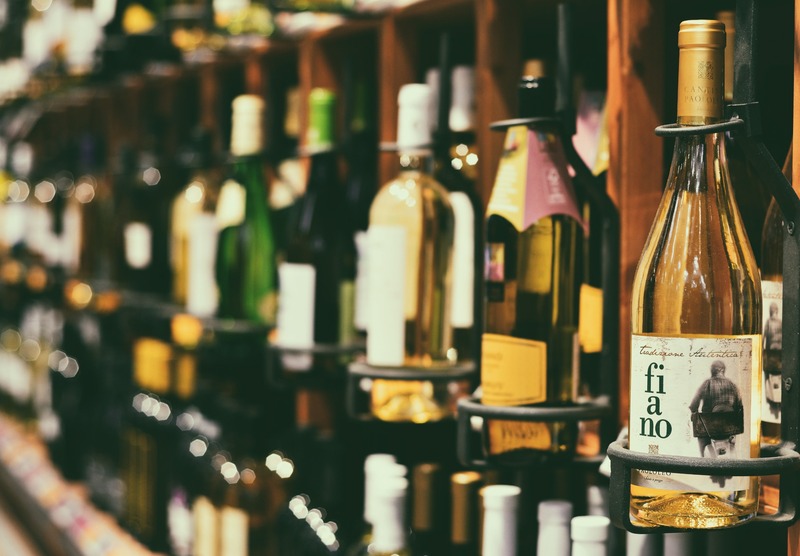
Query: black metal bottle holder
{"type": "Point", "coordinates": [779, 459]}
{"type": "Point", "coordinates": [592, 187]}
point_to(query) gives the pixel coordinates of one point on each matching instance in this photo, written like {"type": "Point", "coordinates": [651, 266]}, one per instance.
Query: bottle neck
{"type": "Point", "coordinates": [700, 165]}
{"type": "Point", "coordinates": [388, 530]}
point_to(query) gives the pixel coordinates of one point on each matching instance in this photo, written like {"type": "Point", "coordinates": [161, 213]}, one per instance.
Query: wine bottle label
{"type": "Point", "coordinates": [772, 295]}
{"type": "Point", "coordinates": [70, 252]}
{"type": "Point", "coordinates": [14, 217]}
{"type": "Point", "coordinates": [513, 370]}
{"type": "Point", "coordinates": [151, 360]}
{"type": "Point", "coordinates": [231, 205]}
{"type": "Point", "coordinates": [40, 225]}
{"type": "Point", "coordinates": [138, 245]}
{"type": "Point", "coordinates": [347, 299]}
{"type": "Point", "coordinates": [179, 518]}
{"type": "Point", "coordinates": [206, 527]}
{"type": "Point", "coordinates": [15, 380]}
{"type": "Point", "coordinates": [202, 296]}
{"type": "Point", "coordinates": [691, 396]}
{"type": "Point", "coordinates": [590, 321]}
{"type": "Point", "coordinates": [234, 530]}
{"type": "Point", "coordinates": [536, 258]}
{"type": "Point", "coordinates": [532, 180]}
{"type": "Point", "coordinates": [387, 295]}
{"type": "Point", "coordinates": [462, 307]}
{"type": "Point", "coordinates": [362, 280]}
{"type": "Point", "coordinates": [296, 305]}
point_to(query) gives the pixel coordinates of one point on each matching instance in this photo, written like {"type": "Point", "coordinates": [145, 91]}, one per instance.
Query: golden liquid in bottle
{"type": "Point", "coordinates": [697, 281]}
{"type": "Point", "coordinates": [416, 203]}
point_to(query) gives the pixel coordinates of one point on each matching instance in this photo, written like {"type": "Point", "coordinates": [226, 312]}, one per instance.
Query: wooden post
{"type": "Point", "coordinates": [635, 108]}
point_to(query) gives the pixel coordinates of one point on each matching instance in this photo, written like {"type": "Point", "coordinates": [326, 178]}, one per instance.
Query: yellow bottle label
{"type": "Point", "coordinates": [536, 257]}
{"type": "Point", "coordinates": [513, 370]}
{"type": "Point", "coordinates": [590, 322]}
{"type": "Point", "coordinates": [151, 364]}
{"type": "Point", "coordinates": [506, 436]}
{"type": "Point", "coordinates": [234, 531]}
{"type": "Point", "coordinates": [508, 193]}
{"type": "Point", "coordinates": [185, 376]}
{"type": "Point", "coordinates": [206, 527]}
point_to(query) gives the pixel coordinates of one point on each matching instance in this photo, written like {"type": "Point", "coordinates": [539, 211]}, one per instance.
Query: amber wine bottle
{"type": "Point", "coordinates": [696, 318]}
{"type": "Point", "coordinates": [410, 240]}
{"type": "Point", "coordinates": [772, 294]}
{"type": "Point", "coordinates": [532, 281]}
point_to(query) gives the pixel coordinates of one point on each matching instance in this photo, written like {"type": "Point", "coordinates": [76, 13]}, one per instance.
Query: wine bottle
{"type": "Point", "coordinates": [752, 195]}
{"type": "Point", "coordinates": [317, 279]}
{"type": "Point", "coordinates": [500, 504]}
{"type": "Point", "coordinates": [192, 221]}
{"type": "Point", "coordinates": [245, 263]}
{"type": "Point", "coordinates": [589, 535]}
{"type": "Point", "coordinates": [554, 518]}
{"type": "Point", "coordinates": [532, 282]}
{"type": "Point", "coordinates": [464, 487]}
{"type": "Point", "coordinates": [410, 244]}
{"type": "Point", "coordinates": [362, 173]}
{"type": "Point", "coordinates": [389, 537]}
{"type": "Point", "coordinates": [696, 318]}
{"type": "Point", "coordinates": [427, 525]}
{"type": "Point", "coordinates": [377, 469]}
{"type": "Point", "coordinates": [772, 295]}
{"type": "Point", "coordinates": [455, 167]}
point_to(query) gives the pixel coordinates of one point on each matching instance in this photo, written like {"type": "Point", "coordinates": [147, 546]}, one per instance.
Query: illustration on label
{"type": "Point", "coordinates": [772, 294]}
{"type": "Point", "coordinates": [691, 396]}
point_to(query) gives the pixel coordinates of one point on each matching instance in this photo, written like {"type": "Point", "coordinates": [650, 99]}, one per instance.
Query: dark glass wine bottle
{"type": "Point", "coordinates": [532, 281]}
{"type": "Point", "coordinates": [455, 167]}
{"type": "Point", "coordinates": [245, 264]}
{"type": "Point", "coordinates": [317, 279]}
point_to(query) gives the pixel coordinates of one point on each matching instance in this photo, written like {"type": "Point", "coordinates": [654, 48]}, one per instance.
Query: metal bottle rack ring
{"type": "Point", "coordinates": [776, 459]}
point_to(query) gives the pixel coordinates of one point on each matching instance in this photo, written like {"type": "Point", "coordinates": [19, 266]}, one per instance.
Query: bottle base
{"type": "Point", "coordinates": [689, 511]}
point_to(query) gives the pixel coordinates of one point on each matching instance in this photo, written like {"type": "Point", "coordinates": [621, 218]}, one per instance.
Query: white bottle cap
{"type": "Point", "coordinates": [590, 528]}
{"type": "Point", "coordinates": [501, 497]}
{"type": "Point", "coordinates": [462, 107]}
{"type": "Point", "coordinates": [247, 134]}
{"type": "Point", "coordinates": [555, 511]}
{"type": "Point", "coordinates": [413, 127]}
{"type": "Point", "coordinates": [432, 81]}
{"type": "Point", "coordinates": [374, 461]}
{"type": "Point", "coordinates": [389, 531]}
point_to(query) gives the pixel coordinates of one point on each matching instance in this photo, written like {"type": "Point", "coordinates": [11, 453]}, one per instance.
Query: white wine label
{"type": "Point", "coordinates": [138, 244]}
{"type": "Point", "coordinates": [772, 295]}
{"type": "Point", "coordinates": [14, 217]}
{"type": "Point", "coordinates": [362, 280]}
{"type": "Point", "coordinates": [462, 307]}
{"type": "Point", "coordinates": [386, 334]}
{"type": "Point", "coordinates": [40, 234]}
{"type": "Point", "coordinates": [234, 530]}
{"type": "Point", "coordinates": [692, 396]}
{"type": "Point", "coordinates": [296, 305]}
{"type": "Point", "coordinates": [202, 295]}
{"type": "Point", "coordinates": [206, 527]}
{"type": "Point", "coordinates": [180, 523]}
{"type": "Point", "coordinates": [231, 205]}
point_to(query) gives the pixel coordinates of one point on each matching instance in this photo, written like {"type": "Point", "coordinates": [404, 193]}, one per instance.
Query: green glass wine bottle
{"type": "Point", "coordinates": [245, 264]}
